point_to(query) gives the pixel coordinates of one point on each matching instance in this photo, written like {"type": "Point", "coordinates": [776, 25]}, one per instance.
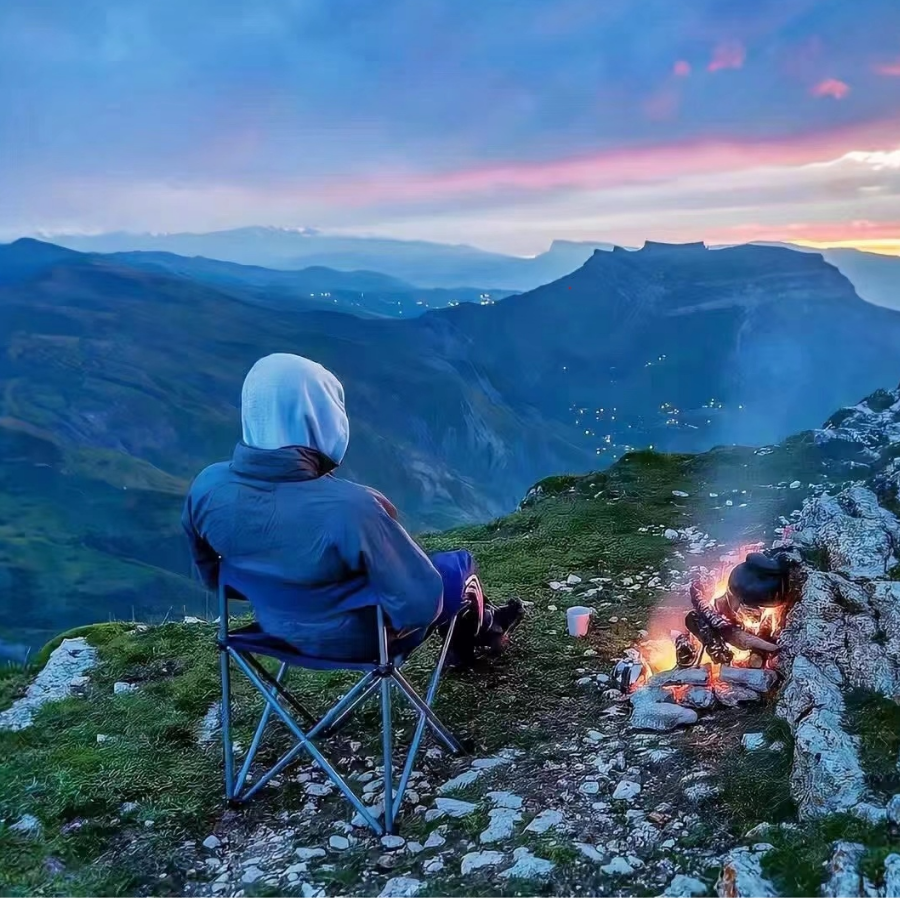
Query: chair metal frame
{"type": "Point", "coordinates": [378, 677]}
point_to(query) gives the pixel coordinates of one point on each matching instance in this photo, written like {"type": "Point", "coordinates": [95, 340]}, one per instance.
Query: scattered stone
{"type": "Point", "coordinates": [661, 717]}
{"type": "Point", "coordinates": [761, 680]}
{"type": "Point", "coordinates": [212, 843]}
{"type": "Point", "coordinates": [589, 787]}
{"type": "Point", "coordinates": [626, 790]}
{"type": "Point", "coordinates": [402, 887]}
{"type": "Point", "coordinates": [573, 579]}
{"type": "Point", "coordinates": [460, 781]}
{"type": "Point", "coordinates": [124, 687]}
{"type": "Point", "coordinates": [544, 821]}
{"type": "Point", "coordinates": [753, 741]}
{"type": "Point", "coordinates": [508, 800]}
{"type": "Point", "coordinates": [695, 676]}
{"type": "Point", "coordinates": [318, 790]}
{"type": "Point", "coordinates": [741, 876]}
{"type": "Point", "coordinates": [844, 877]}
{"type": "Point", "coordinates": [731, 695]}
{"type": "Point", "coordinates": [305, 854]}
{"type": "Point", "coordinates": [456, 809]}
{"type": "Point", "coordinates": [433, 866]}
{"type": "Point", "coordinates": [893, 809]}
{"type": "Point", "coordinates": [338, 842]}
{"type": "Point", "coordinates": [526, 865]}
{"type": "Point", "coordinates": [680, 494]}
{"type": "Point", "coordinates": [699, 698]}
{"type": "Point", "coordinates": [392, 841]}
{"type": "Point", "coordinates": [590, 851]}
{"type": "Point", "coordinates": [251, 875]}
{"type": "Point", "coordinates": [70, 660]}
{"type": "Point", "coordinates": [479, 860]}
{"type": "Point", "coordinates": [794, 485]}
{"type": "Point", "coordinates": [892, 875]}
{"type": "Point", "coordinates": [618, 865]}
{"type": "Point", "coordinates": [502, 824]}
{"type": "Point", "coordinates": [685, 886]}
{"type": "Point", "coordinates": [670, 534]}
{"type": "Point", "coordinates": [435, 839]}
{"type": "Point", "coordinates": [210, 725]}
{"type": "Point", "coordinates": [27, 824]}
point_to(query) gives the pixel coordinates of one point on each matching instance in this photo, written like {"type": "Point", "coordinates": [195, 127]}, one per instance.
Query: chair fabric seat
{"type": "Point", "coordinates": [252, 639]}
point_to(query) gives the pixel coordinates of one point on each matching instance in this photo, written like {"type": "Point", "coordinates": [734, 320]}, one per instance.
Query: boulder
{"type": "Point", "coordinates": [661, 717]}
{"type": "Point", "coordinates": [731, 695]}
{"type": "Point", "coordinates": [844, 878]}
{"type": "Point", "coordinates": [892, 875]}
{"type": "Point", "coordinates": [741, 875]}
{"type": "Point", "coordinates": [695, 676]}
{"type": "Point", "coordinates": [698, 698]}
{"type": "Point", "coordinates": [760, 680]}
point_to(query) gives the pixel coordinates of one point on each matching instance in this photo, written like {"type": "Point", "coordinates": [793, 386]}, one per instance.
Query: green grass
{"type": "Point", "coordinates": [876, 721]}
{"type": "Point", "coordinates": [796, 864]}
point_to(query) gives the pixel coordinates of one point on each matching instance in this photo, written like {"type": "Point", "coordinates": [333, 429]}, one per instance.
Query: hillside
{"type": "Point", "coordinates": [453, 413]}
{"type": "Point", "coordinates": [137, 809]}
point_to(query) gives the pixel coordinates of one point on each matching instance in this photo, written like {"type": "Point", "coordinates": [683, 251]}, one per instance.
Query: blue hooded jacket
{"type": "Point", "coordinates": [314, 554]}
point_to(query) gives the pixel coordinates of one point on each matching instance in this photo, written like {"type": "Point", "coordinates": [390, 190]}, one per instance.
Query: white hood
{"type": "Point", "coordinates": [290, 401]}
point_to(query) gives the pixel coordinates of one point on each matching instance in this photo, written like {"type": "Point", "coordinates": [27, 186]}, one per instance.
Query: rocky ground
{"type": "Point", "coordinates": [113, 786]}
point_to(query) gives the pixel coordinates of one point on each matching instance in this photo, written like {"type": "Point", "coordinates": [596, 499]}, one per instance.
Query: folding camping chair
{"type": "Point", "coordinates": [244, 645]}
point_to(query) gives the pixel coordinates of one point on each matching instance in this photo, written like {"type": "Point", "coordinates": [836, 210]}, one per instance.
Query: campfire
{"type": "Point", "coordinates": [722, 650]}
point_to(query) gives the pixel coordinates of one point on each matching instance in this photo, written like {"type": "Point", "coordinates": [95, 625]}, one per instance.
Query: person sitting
{"type": "Point", "coordinates": [330, 549]}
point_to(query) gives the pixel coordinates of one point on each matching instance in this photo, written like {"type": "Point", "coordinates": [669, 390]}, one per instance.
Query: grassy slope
{"type": "Point", "coordinates": [588, 525]}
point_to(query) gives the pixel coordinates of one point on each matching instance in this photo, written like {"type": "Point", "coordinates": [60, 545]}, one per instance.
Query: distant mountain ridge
{"type": "Point", "coordinates": [423, 263]}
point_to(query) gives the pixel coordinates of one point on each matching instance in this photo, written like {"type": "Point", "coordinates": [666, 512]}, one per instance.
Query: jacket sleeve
{"type": "Point", "coordinates": [206, 560]}
{"type": "Point", "coordinates": [409, 587]}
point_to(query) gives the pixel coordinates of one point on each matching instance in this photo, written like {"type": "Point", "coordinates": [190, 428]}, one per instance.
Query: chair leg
{"type": "Point", "coordinates": [257, 737]}
{"type": "Point", "coordinates": [332, 722]}
{"type": "Point", "coordinates": [440, 729]}
{"type": "Point", "coordinates": [420, 725]}
{"type": "Point", "coordinates": [308, 745]}
{"type": "Point", "coordinates": [387, 743]}
{"type": "Point", "coordinates": [225, 717]}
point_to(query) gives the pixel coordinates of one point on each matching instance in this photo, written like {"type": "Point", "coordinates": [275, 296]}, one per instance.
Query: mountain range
{"type": "Point", "coordinates": [121, 377]}
{"type": "Point", "coordinates": [423, 263]}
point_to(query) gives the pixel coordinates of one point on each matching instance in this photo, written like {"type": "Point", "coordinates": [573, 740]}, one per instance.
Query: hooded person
{"type": "Point", "coordinates": [317, 554]}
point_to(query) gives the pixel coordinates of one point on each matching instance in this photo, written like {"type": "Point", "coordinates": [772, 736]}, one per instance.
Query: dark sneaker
{"type": "Point", "coordinates": [503, 621]}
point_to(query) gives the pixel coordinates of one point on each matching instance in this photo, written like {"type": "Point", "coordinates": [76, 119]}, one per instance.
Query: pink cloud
{"type": "Point", "coordinates": [682, 68]}
{"type": "Point", "coordinates": [891, 69]}
{"type": "Point", "coordinates": [614, 167]}
{"type": "Point", "coordinates": [727, 55]}
{"type": "Point", "coordinates": [831, 87]}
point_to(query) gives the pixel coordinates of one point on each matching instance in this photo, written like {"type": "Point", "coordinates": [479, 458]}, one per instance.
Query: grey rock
{"type": "Point", "coordinates": [626, 790]}
{"type": "Point", "coordinates": [699, 698]}
{"type": "Point", "coordinates": [456, 809]}
{"type": "Point", "coordinates": [589, 851]}
{"type": "Point", "coordinates": [305, 854]}
{"type": "Point", "coordinates": [433, 866]}
{"type": "Point", "coordinates": [251, 875]}
{"type": "Point", "coordinates": [753, 741]}
{"type": "Point", "coordinates": [392, 841]}
{"type": "Point", "coordinates": [338, 842]}
{"type": "Point", "coordinates": [731, 695]}
{"type": "Point", "coordinates": [893, 809]}
{"type": "Point", "coordinates": [70, 660]}
{"type": "Point", "coordinates": [435, 839]}
{"type": "Point", "coordinates": [892, 875]}
{"type": "Point", "coordinates": [544, 821]}
{"type": "Point", "coordinates": [685, 886]}
{"type": "Point", "coordinates": [696, 676]}
{"type": "Point", "coordinates": [661, 717]}
{"type": "Point", "coordinates": [650, 694]}
{"type": "Point", "coordinates": [869, 812]}
{"type": "Point", "coordinates": [124, 687]}
{"type": "Point", "coordinates": [26, 824]}
{"type": "Point", "coordinates": [212, 843]}
{"type": "Point", "coordinates": [505, 799]}
{"type": "Point", "coordinates": [844, 877]}
{"type": "Point", "coordinates": [527, 866]}
{"type": "Point", "coordinates": [741, 876]}
{"type": "Point", "coordinates": [761, 680]}
{"type": "Point", "coordinates": [479, 860]}
{"type": "Point", "coordinates": [402, 887]}
{"type": "Point", "coordinates": [502, 825]}
{"type": "Point", "coordinates": [618, 865]}
{"type": "Point", "coordinates": [460, 781]}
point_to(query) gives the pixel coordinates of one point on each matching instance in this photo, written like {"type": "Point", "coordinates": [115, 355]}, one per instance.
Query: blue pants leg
{"type": "Point", "coordinates": [454, 567]}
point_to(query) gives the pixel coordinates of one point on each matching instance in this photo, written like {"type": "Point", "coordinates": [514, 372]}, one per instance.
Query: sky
{"type": "Point", "coordinates": [500, 123]}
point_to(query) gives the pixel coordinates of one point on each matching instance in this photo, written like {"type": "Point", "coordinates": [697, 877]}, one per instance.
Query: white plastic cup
{"type": "Point", "coordinates": [578, 619]}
